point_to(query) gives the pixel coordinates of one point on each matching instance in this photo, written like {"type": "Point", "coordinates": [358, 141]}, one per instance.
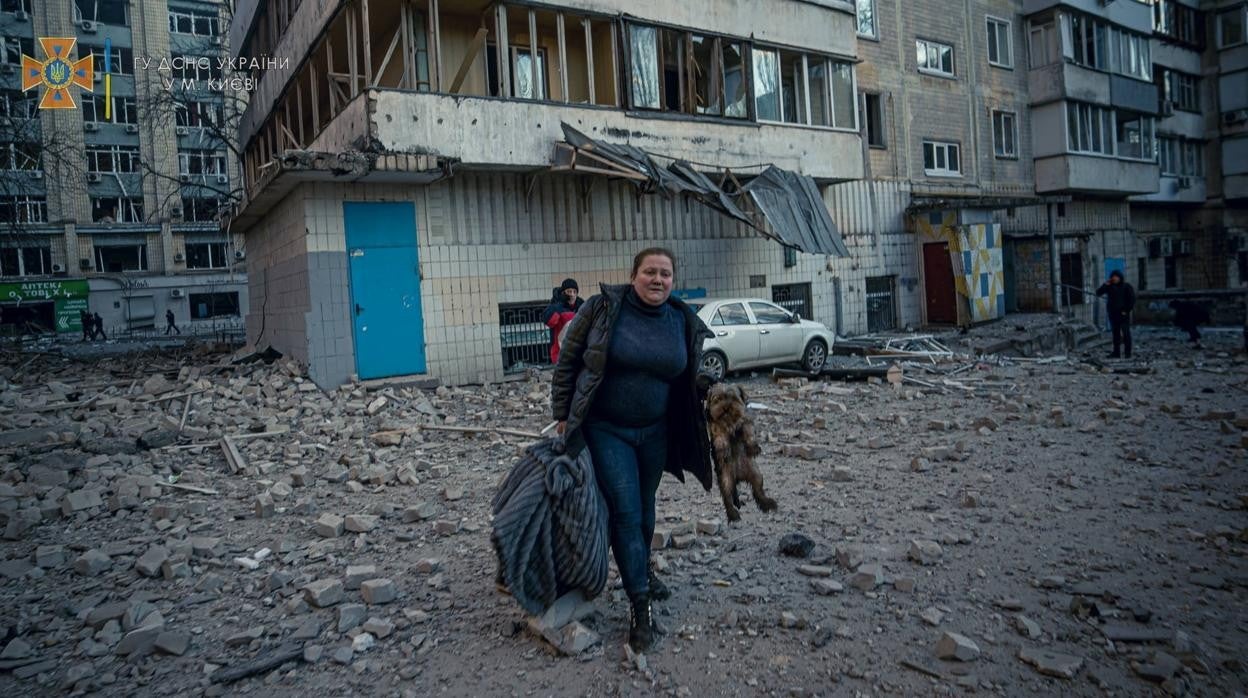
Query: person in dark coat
{"type": "Point", "coordinates": [564, 303]}
{"type": "Point", "coordinates": [1119, 302]}
{"type": "Point", "coordinates": [87, 322]}
{"type": "Point", "coordinates": [1187, 317]}
{"type": "Point", "coordinates": [625, 387]}
{"type": "Point", "coordinates": [169, 324]}
{"type": "Point", "coordinates": [98, 328]}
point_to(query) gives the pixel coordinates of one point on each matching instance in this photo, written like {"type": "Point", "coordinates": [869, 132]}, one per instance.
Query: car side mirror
{"type": "Point", "coordinates": [795, 318]}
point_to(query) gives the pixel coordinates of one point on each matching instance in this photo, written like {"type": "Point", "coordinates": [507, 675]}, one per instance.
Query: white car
{"type": "Point", "coordinates": [751, 332]}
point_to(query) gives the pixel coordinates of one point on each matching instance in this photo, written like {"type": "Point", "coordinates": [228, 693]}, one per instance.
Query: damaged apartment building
{"type": "Point", "coordinates": [426, 172]}
{"type": "Point", "coordinates": [112, 204]}
{"type": "Point", "coordinates": [423, 172]}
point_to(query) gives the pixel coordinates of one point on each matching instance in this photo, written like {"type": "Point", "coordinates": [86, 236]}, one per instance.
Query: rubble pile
{"type": "Point", "coordinates": [191, 524]}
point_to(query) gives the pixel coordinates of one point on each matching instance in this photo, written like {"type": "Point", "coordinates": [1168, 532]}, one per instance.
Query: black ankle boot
{"type": "Point", "coordinates": [641, 630]}
{"type": "Point", "coordinates": [658, 590]}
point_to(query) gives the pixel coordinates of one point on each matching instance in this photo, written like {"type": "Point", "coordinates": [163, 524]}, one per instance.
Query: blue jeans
{"type": "Point", "coordinates": [628, 464]}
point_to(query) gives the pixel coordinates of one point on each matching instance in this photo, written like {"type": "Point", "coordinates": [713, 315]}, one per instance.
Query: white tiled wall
{"type": "Point", "coordinates": [485, 240]}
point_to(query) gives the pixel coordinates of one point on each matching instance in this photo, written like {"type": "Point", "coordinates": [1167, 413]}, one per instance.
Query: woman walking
{"type": "Point", "coordinates": [625, 388]}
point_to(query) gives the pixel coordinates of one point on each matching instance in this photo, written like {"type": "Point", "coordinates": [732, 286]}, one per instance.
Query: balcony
{"type": "Point", "coordinates": [1176, 190]}
{"type": "Point", "coordinates": [1096, 175]}
{"type": "Point", "coordinates": [1133, 15]}
{"type": "Point", "coordinates": [1068, 81]}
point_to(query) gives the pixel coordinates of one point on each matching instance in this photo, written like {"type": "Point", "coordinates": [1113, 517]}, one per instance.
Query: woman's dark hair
{"type": "Point", "coordinates": [651, 252]}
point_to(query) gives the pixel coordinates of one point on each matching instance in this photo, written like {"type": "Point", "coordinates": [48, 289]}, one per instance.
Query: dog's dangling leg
{"type": "Point", "coordinates": [728, 490]}
{"type": "Point", "coordinates": [760, 497]}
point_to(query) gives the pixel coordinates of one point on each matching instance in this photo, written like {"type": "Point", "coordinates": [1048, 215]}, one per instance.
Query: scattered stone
{"type": "Point", "coordinates": [378, 627]}
{"type": "Point", "coordinates": [826, 587]}
{"type": "Point", "coordinates": [1027, 627]}
{"type": "Point", "coordinates": [924, 552]}
{"type": "Point", "coordinates": [92, 563]}
{"type": "Point", "coordinates": [796, 545]}
{"type": "Point", "coordinates": [867, 577]}
{"type": "Point", "coordinates": [709, 527]}
{"type": "Point", "coordinates": [342, 655]}
{"type": "Point", "coordinates": [955, 646]}
{"type": "Point", "coordinates": [358, 574]}
{"type": "Point", "coordinates": [378, 591]}
{"type": "Point", "coordinates": [265, 507]}
{"type": "Point", "coordinates": [932, 616]}
{"type": "Point", "coordinates": [904, 584]}
{"type": "Point", "coordinates": [329, 526]}
{"type": "Point", "coordinates": [363, 642]}
{"type": "Point", "coordinates": [150, 562]}
{"type": "Point", "coordinates": [815, 570]}
{"type": "Point", "coordinates": [1063, 666]}
{"type": "Point", "coordinates": [323, 593]}
{"type": "Point", "coordinates": [420, 512]}
{"type": "Point", "coordinates": [1160, 667]}
{"type": "Point", "coordinates": [361, 523]}
{"type": "Point", "coordinates": [350, 615]}
{"type": "Point", "coordinates": [50, 556]}
{"type": "Point", "coordinates": [842, 474]}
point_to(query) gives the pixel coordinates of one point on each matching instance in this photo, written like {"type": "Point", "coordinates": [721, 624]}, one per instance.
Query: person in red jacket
{"type": "Point", "coordinates": [562, 308]}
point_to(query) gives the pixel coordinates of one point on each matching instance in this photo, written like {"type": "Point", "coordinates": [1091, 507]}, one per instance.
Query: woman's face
{"type": "Point", "coordinates": [653, 280]}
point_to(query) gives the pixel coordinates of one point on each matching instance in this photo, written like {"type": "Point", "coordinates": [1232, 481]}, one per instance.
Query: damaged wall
{"type": "Point", "coordinates": [483, 241]}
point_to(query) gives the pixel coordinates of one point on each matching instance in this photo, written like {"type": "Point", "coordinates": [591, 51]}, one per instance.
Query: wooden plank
{"type": "Point", "coordinates": [65, 405]}
{"type": "Point", "coordinates": [385, 62]}
{"type": "Point", "coordinates": [562, 39]}
{"type": "Point", "coordinates": [233, 457]}
{"type": "Point", "coordinates": [368, 44]}
{"type": "Point", "coordinates": [189, 488]}
{"type": "Point", "coordinates": [589, 57]}
{"type": "Point", "coordinates": [474, 47]}
{"type": "Point", "coordinates": [186, 410]}
{"type": "Point", "coordinates": [170, 396]}
{"type": "Point", "coordinates": [435, 47]}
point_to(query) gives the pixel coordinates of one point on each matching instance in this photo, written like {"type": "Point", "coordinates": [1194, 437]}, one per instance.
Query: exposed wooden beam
{"type": "Point", "coordinates": [405, 30]}
{"type": "Point", "coordinates": [589, 57]}
{"type": "Point", "coordinates": [504, 53]}
{"type": "Point", "coordinates": [368, 44]}
{"type": "Point", "coordinates": [470, 57]}
{"type": "Point", "coordinates": [563, 56]}
{"type": "Point", "coordinates": [435, 47]}
{"type": "Point", "coordinates": [385, 62]}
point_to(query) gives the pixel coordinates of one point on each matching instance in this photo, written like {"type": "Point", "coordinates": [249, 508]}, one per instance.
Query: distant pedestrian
{"type": "Point", "coordinates": [1119, 302]}
{"type": "Point", "coordinates": [98, 330]}
{"type": "Point", "coordinates": [86, 320]}
{"type": "Point", "coordinates": [1187, 316]}
{"type": "Point", "coordinates": [169, 322]}
{"type": "Point", "coordinates": [564, 303]}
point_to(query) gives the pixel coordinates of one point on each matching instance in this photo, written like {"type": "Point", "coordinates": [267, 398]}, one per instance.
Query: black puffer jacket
{"type": "Point", "coordinates": [583, 359]}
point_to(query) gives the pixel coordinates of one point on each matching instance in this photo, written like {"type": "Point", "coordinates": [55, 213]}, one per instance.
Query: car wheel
{"type": "Point", "coordinates": [815, 356]}
{"type": "Point", "coordinates": [715, 365]}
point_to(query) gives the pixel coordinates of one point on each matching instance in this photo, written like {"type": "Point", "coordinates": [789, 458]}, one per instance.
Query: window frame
{"type": "Point", "coordinates": [44, 253]}
{"type": "Point", "coordinates": [26, 208]}
{"type": "Point", "coordinates": [928, 45]}
{"type": "Point", "coordinates": [213, 19]}
{"type": "Point", "coordinates": [832, 66]}
{"type": "Point", "coordinates": [216, 252]}
{"type": "Point", "coordinates": [1000, 152]}
{"type": "Point", "coordinates": [98, 254]}
{"type": "Point", "coordinates": [945, 147]}
{"type": "Point", "coordinates": [1008, 26]}
{"type": "Point", "coordinates": [876, 138]}
{"type": "Point", "coordinates": [213, 299]}
{"type": "Point", "coordinates": [874, 33]}
{"type": "Point", "coordinates": [1242, 11]}
{"type": "Point", "coordinates": [130, 209]}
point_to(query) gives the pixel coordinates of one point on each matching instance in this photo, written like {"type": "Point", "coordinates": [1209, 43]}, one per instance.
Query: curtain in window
{"type": "Point", "coordinates": [645, 64]}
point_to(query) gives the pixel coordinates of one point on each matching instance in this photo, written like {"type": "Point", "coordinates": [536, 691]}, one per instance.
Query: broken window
{"type": "Point", "coordinates": [23, 209]}
{"type": "Point", "coordinates": [210, 305]}
{"type": "Point", "coordinates": [25, 261]}
{"type": "Point", "coordinates": [766, 84]}
{"type": "Point", "coordinates": [736, 89]}
{"type": "Point", "coordinates": [644, 54]}
{"type": "Point", "coordinates": [806, 89]}
{"type": "Point", "coordinates": [116, 12]}
{"type": "Point", "coordinates": [207, 255]}
{"type": "Point", "coordinates": [200, 210]}
{"type": "Point", "coordinates": [124, 110]}
{"type": "Point", "coordinates": [116, 209]}
{"type": "Point", "coordinates": [20, 155]}
{"type": "Point", "coordinates": [521, 73]}
{"type": "Point", "coordinates": [103, 159]}
{"type": "Point", "coordinates": [120, 258]}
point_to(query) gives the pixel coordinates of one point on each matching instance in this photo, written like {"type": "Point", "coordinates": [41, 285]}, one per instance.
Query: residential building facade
{"type": "Point", "coordinates": [977, 157]}
{"type": "Point", "coordinates": [113, 206]}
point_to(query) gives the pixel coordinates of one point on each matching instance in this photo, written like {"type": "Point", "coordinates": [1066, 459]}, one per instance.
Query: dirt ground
{"type": "Point", "coordinates": [1024, 515]}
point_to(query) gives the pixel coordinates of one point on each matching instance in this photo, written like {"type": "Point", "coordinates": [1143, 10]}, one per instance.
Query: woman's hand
{"type": "Point", "coordinates": [561, 427]}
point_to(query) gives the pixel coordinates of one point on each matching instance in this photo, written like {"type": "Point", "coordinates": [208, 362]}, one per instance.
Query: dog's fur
{"type": "Point", "coordinates": [734, 446]}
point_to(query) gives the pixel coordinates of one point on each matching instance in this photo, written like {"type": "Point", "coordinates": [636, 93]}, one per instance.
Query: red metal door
{"type": "Point", "coordinates": [938, 284]}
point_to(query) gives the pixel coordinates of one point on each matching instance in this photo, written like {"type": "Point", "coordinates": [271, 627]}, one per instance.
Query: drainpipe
{"type": "Point", "coordinates": [1054, 260]}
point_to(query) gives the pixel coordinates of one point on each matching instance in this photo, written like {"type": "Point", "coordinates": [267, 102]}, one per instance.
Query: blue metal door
{"type": "Point", "coordinates": [386, 320]}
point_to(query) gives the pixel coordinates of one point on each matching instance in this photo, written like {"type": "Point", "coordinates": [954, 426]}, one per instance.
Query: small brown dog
{"type": "Point", "coordinates": [734, 446]}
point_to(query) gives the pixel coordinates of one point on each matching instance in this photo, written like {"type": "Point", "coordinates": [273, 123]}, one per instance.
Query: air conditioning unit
{"type": "Point", "coordinates": [1154, 248]}
{"type": "Point", "coordinates": [1185, 182]}
{"type": "Point", "coordinates": [1167, 247]}
{"type": "Point", "coordinates": [58, 268]}
{"type": "Point", "coordinates": [1235, 117]}
{"type": "Point", "coordinates": [90, 127]}
{"type": "Point", "coordinates": [1185, 248]}
{"type": "Point", "coordinates": [179, 257]}
{"type": "Point", "coordinates": [222, 179]}
{"type": "Point", "coordinates": [21, 16]}
{"type": "Point", "coordinates": [93, 176]}
{"type": "Point", "coordinates": [36, 174]}
{"type": "Point", "coordinates": [1167, 108]}
{"type": "Point", "coordinates": [132, 128]}
{"type": "Point", "coordinates": [84, 263]}
{"type": "Point", "coordinates": [240, 255]}
{"type": "Point", "coordinates": [88, 26]}
{"type": "Point", "coordinates": [177, 293]}
{"type": "Point", "coordinates": [182, 130]}
{"type": "Point", "coordinates": [184, 178]}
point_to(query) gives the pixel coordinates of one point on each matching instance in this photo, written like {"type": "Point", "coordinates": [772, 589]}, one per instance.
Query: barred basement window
{"type": "Point", "coordinates": [525, 339]}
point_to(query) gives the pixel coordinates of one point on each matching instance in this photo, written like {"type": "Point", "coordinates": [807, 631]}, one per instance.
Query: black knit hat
{"type": "Point", "coordinates": [1118, 274]}
{"type": "Point", "coordinates": [567, 284]}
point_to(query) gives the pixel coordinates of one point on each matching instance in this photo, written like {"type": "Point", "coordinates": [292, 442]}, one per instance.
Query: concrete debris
{"type": "Point", "coordinates": [297, 540]}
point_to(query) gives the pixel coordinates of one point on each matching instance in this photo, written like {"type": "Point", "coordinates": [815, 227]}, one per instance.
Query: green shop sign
{"type": "Point", "coordinates": [68, 299]}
